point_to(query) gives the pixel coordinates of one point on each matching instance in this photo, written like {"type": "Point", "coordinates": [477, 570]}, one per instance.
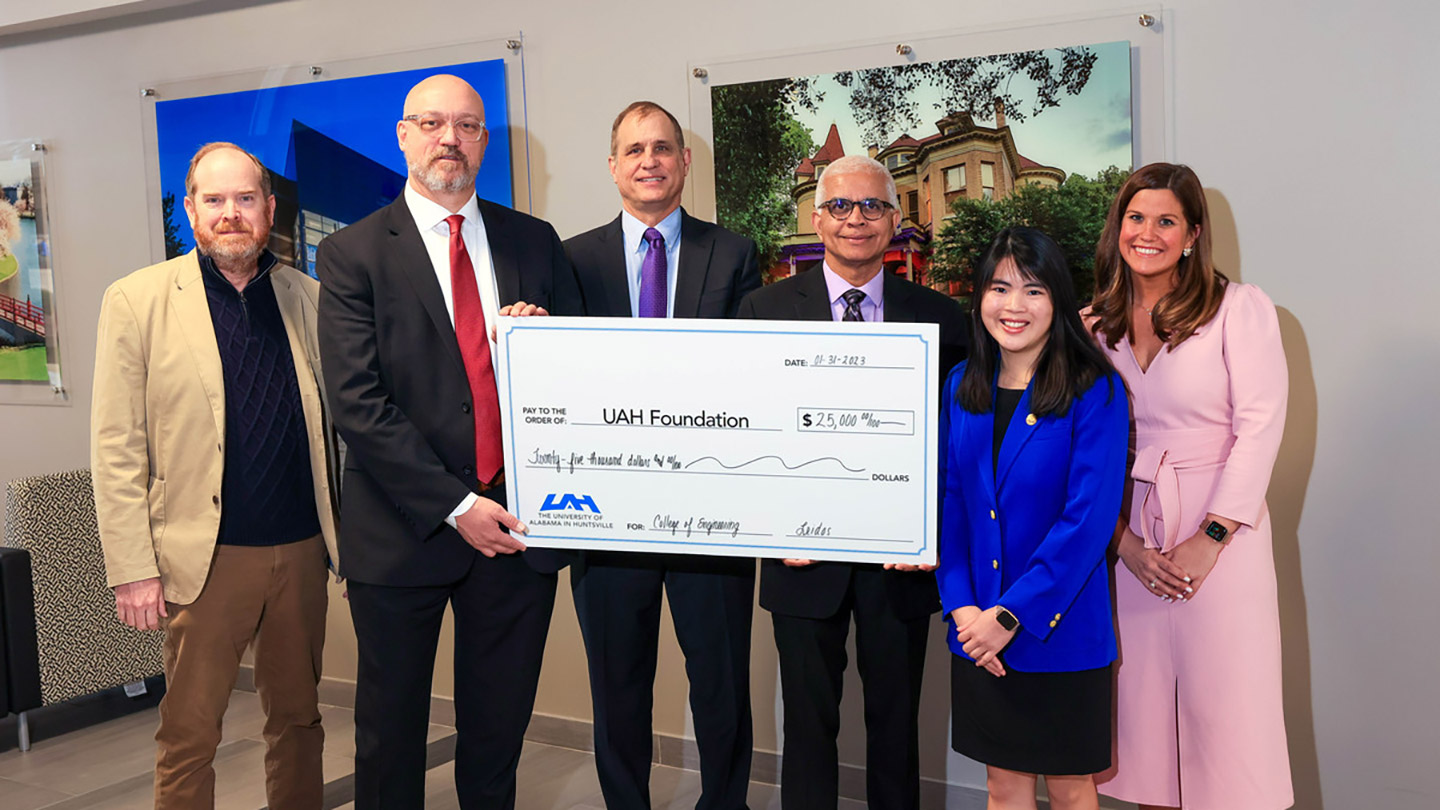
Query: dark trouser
{"type": "Point", "coordinates": [891, 659]}
{"type": "Point", "coordinates": [502, 612]}
{"type": "Point", "coordinates": [275, 596]}
{"type": "Point", "coordinates": [617, 599]}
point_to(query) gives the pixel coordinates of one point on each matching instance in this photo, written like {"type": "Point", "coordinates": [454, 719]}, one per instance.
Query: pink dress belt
{"type": "Point", "coordinates": [1160, 458]}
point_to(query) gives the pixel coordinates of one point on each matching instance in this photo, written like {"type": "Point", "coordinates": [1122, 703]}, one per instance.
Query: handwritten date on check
{"type": "Point", "coordinates": [742, 438]}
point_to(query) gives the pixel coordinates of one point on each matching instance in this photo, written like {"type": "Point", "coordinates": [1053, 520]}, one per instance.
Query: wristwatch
{"type": "Point", "coordinates": [1216, 532]}
{"type": "Point", "coordinates": [1006, 619]}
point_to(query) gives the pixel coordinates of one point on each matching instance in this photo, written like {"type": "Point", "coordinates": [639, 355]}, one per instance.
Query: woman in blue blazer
{"type": "Point", "coordinates": [1034, 435]}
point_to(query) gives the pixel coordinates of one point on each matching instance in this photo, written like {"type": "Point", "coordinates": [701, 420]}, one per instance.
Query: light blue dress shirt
{"type": "Point", "coordinates": [872, 308]}
{"type": "Point", "coordinates": [635, 249]}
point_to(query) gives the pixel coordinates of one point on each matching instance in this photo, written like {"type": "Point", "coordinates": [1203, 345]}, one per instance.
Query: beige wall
{"type": "Point", "coordinates": [1266, 96]}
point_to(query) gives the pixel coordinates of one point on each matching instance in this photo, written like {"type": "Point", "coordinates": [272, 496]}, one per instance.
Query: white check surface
{"type": "Point", "coordinates": [814, 440]}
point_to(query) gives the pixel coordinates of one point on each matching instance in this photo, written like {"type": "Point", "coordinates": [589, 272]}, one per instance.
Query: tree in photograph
{"type": "Point", "coordinates": [758, 144]}
{"type": "Point", "coordinates": [174, 245]}
{"type": "Point", "coordinates": [884, 104]}
{"type": "Point", "coordinates": [1073, 214]}
{"type": "Point", "coordinates": [25, 199]}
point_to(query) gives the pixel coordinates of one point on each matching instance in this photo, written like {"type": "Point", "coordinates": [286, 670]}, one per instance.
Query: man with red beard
{"type": "Point", "coordinates": [407, 297]}
{"type": "Point", "coordinates": [227, 548]}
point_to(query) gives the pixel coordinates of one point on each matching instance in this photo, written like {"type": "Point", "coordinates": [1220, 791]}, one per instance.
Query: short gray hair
{"type": "Point", "coordinates": [856, 164]}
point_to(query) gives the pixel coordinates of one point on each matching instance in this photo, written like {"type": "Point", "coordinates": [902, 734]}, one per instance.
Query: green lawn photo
{"type": "Point", "coordinates": [27, 364]}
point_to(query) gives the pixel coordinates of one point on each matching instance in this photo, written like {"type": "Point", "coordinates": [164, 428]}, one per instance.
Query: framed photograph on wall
{"type": "Point", "coordinates": [1035, 125]}
{"type": "Point", "coordinates": [327, 135]}
{"type": "Point", "coordinates": [29, 332]}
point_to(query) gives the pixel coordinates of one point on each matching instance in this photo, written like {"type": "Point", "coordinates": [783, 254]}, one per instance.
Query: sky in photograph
{"type": "Point", "coordinates": [12, 172]}
{"type": "Point", "coordinates": [1086, 133]}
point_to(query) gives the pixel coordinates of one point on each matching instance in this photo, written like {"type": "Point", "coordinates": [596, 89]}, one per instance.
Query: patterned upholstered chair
{"type": "Point", "coordinates": [61, 638]}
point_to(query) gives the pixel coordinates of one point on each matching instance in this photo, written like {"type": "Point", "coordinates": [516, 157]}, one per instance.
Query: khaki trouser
{"type": "Point", "coordinates": [274, 596]}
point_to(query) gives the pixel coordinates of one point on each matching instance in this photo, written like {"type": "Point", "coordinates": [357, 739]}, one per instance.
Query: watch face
{"type": "Point", "coordinates": [1216, 531]}
{"type": "Point", "coordinates": [1006, 619]}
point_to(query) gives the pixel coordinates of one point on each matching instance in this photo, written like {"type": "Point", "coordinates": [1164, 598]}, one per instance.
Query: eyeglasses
{"type": "Point", "coordinates": [466, 129]}
{"type": "Point", "coordinates": [870, 208]}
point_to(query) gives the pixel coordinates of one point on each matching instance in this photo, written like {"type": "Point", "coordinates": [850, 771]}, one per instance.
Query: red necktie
{"type": "Point", "coordinates": [474, 341]}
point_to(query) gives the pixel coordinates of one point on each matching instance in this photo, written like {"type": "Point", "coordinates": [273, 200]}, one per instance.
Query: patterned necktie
{"type": "Point", "coordinates": [474, 340]}
{"type": "Point", "coordinates": [652, 277]}
{"type": "Point", "coordinates": [852, 305]}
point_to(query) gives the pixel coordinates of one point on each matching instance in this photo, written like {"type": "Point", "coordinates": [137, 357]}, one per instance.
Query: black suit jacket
{"type": "Point", "coordinates": [717, 269]}
{"type": "Point", "coordinates": [398, 390]}
{"type": "Point", "coordinates": [816, 591]}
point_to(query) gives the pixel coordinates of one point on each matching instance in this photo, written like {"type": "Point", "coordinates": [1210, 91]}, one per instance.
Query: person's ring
{"type": "Point", "coordinates": [1153, 582]}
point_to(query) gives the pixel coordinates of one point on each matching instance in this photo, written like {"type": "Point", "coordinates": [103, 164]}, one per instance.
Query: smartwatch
{"type": "Point", "coordinates": [1006, 619]}
{"type": "Point", "coordinates": [1216, 532]}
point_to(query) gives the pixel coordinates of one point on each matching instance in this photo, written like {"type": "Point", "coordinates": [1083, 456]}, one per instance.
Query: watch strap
{"type": "Point", "coordinates": [1006, 619]}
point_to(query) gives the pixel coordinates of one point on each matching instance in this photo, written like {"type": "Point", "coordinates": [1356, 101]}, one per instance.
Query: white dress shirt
{"type": "Point", "coordinates": [430, 219]}
{"type": "Point", "coordinates": [435, 233]}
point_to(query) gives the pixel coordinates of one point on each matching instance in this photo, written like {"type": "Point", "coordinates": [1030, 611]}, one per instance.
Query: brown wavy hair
{"type": "Point", "coordinates": [1199, 287]}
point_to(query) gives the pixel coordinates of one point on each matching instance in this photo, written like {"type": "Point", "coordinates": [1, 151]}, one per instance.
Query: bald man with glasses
{"type": "Point", "coordinates": [407, 296]}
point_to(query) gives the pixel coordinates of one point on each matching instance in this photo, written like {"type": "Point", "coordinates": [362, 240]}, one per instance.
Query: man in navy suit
{"type": "Point", "coordinates": [406, 299]}
{"type": "Point", "coordinates": [856, 215]}
{"type": "Point", "coordinates": [655, 260]}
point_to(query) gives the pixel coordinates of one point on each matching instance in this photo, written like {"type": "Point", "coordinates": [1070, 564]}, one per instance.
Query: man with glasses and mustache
{"type": "Point", "coordinates": [407, 297]}
{"type": "Point", "coordinates": [212, 482]}
{"type": "Point", "coordinates": [857, 214]}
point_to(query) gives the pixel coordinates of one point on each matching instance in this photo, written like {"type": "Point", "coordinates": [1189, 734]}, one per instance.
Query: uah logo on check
{"type": "Point", "coordinates": [554, 502]}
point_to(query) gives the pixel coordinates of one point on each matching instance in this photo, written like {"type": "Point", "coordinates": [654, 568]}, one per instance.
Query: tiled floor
{"type": "Point", "coordinates": [108, 765]}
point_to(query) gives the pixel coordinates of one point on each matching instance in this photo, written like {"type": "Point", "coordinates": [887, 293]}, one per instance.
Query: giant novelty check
{"type": "Point", "coordinates": [747, 438]}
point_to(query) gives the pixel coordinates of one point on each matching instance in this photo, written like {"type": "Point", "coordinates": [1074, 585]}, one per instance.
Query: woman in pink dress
{"type": "Point", "coordinates": [1200, 723]}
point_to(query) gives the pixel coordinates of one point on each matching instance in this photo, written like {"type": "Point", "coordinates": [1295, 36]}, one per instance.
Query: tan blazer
{"type": "Point", "coordinates": [158, 422]}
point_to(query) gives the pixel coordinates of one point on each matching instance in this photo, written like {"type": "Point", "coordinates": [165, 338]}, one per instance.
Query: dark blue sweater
{"type": "Point", "coordinates": [267, 495]}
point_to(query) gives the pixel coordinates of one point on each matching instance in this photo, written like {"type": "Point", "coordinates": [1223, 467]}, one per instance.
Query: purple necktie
{"type": "Point", "coordinates": [652, 277]}
{"type": "Point", "coordinates": [852, 305]}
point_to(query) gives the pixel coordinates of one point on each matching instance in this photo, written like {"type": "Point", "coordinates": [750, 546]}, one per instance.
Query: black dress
{"type": "Point", "coordinates": [1054, 723]}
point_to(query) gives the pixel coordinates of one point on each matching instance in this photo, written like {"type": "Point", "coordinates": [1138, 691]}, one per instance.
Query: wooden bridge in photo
{"type": "Point", "coordinates": [27, 320]}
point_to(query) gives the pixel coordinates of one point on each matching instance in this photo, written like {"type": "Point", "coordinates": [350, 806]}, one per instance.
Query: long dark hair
{"type": "Point", "coordinates": [1199, 287]}
{"type": "Point", "coordinates": [1069, 363]}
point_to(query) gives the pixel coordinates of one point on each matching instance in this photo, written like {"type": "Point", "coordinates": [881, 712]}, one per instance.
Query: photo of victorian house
{"type": "Point", "coordinates": [975, 144]}
{"type": "Point", "coordinates": [959, 159]}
